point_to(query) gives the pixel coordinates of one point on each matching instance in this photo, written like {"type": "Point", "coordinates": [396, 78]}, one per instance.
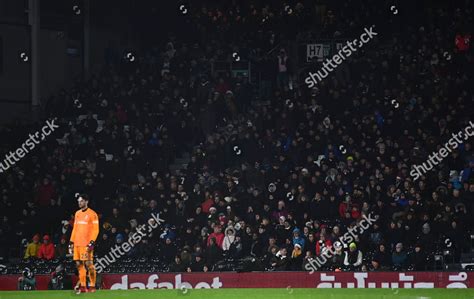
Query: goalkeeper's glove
{"type": "Point", "coordinates": [90, 246]}
{"type": "Point", "coordinates": [71, 247]}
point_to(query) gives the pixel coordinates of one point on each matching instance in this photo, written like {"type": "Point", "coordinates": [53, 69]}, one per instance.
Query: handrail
{"type": "Point", "coordinates": [15, 101]}
{"type": "Point", "coordinates": [273, 49]}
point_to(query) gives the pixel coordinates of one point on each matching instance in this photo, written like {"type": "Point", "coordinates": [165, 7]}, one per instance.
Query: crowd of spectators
{"type": "Point", "coordinates": [279, 176]}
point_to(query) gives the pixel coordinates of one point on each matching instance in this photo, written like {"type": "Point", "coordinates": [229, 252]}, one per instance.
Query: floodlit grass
{"type": "Point", "coordinates": [250, 294]}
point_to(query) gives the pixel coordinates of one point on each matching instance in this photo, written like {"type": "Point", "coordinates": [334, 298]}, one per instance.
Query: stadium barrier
{"type": "Point", "coordinates": [270, 280]}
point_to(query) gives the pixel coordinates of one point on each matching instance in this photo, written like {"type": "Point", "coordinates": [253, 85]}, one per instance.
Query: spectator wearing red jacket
{"type": "Point", "coordinates": [207, 204]}
{"type": "Point", "coordinates": [323, 242]}
{"type": "Point", "coordinates": [122, 115]}
{"type": "Point", "coordinates": [355, 213]}
{"type": "Point", "coordinates": [222, 86]}
{"type": "Point", "coordinates": [462, 41]}
{"type": "Point", "coordinates": [218, 235]}
{"type": "Point", "coordinates": [46, 250]}
{"type": "Point", "coordinates": [45, 192]}
{"type": "Point", "coordinates": [344, 206]}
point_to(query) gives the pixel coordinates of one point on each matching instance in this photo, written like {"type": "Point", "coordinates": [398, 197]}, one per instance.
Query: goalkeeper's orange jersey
{"type": "Point", "coordinates": [86, 227]}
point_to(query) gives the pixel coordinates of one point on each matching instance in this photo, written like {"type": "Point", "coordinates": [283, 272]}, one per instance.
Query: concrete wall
{"type": "Point", "coordinates": [57, 68]}
{"type": "Point", "coordinates": [15, 75]}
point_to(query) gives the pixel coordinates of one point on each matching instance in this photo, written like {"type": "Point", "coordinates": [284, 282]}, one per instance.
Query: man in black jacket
{"type": "Point", "coordinates": [213, 253]}
{"type": "Point", "coordinates": [197, 264]}
{"type": "Point", "coordinates": [418, 259]}
{"type": "Point", "coordinates": [281, 260]}
{"type": "Point", "coordinates": [177, 265]}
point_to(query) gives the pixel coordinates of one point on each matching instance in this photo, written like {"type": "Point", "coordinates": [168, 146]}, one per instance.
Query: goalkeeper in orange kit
{"type": "Point", "coordinates": [83, 236]}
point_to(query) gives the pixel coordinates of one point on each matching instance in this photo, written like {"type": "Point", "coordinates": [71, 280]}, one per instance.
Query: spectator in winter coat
{"type": "Point", "coordinates": [117, 220]}
{"type": "Point", "coordinates": [229, 238]}
{"type": "Point", "coordinates": [337, 261]}
{"type": "Point", "coordinates": [426, 238]}
{"type": "Point", "coordinates": [418, 259]}
{"type": "Point", "coordinates": [45, 192]}
{"type": "Point", "coordinates": [281, 211]}
{"type": "Point", "coordinates": [383, 257]}
{"type": "Point", "coordinates": [376, 235]}
{"type": "Point", "coordinates": [235, 250]}
{"type": "Point", "coordinates": [168, 251]}
{"type": "Point", "coordinates": [188, 238]}
{"type": "Point", "coordinates": [62, 248]}
{"type": "Point", "coordinates": [353, 258]}
{"type": "Point", "coordinates": [46, 250]}
{"type": "Point", "coordinates": [310, 244]}
{"type": "Point", "coordinates": [186, 256]}
{"type": "Point", "coordinates": [280, 261]}
{"type": "Point", "coordinates": [33, 247]}
{"type": "Point", "coordinates": [375, 265]}
{"type": "Point", "coordinates": [213, 253]}
{"type": "Point", "coordinates": [344, 206]}
{"type": "Point", "coordinates": [177, 265]}
{"type": "Point", "coordinates": [297, 238]}
{"type": "Point", "coordinates": [296, 258]}
{"type": "Point", "coordinates": [197, 264]}
{"type": "Point", "coordinates": [168, 233]}
{"type": "Point", "coordinates": [399, 257]}
{"type": "Point", "coordinates": [103, 245]}
{"type": "Point", "coordinates": [283, 230]}
{"type": "Point", "coordinates": [218, 235]}
{"type": "Point", "coordinates": [322, 243]}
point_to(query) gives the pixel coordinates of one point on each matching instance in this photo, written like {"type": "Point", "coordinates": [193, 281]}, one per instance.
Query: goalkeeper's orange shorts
{"type": "Point", "coordinates": [82, 254]}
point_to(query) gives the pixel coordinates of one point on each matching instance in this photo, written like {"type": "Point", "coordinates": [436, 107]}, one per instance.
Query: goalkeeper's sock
{"type": "Point", "coordinates": [82, 275]}
{"type": "Point", "coordinates": [92, 275]}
